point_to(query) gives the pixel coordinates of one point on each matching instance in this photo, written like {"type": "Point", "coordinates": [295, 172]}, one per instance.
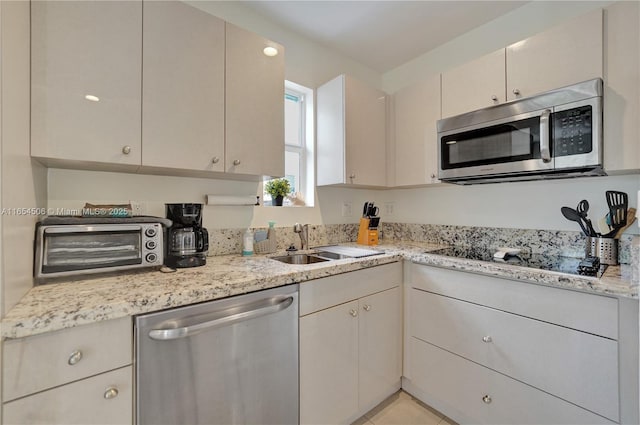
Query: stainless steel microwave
{"type": "Point", "coordinates": [551, 135]}
{"type": "Point", "coordinates": [71, 246]}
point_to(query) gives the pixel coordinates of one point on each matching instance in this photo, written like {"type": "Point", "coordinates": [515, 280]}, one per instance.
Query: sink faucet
{"type": "Point", "coordinates": [303, 231]}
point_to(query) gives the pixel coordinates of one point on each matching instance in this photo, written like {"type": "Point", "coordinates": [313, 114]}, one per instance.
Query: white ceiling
{"type": "Point", "coordinates": [381, 34]}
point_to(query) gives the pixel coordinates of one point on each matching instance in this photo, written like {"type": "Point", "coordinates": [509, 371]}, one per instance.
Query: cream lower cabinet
{"type": "Point", "coordinates": [350, 344]}
{"type": "Point", "coordinates": [416, 111]}
{"type": "Point", "coordinates": [80, 375]}
{"type": "Point", "coordinates": [490, 350]}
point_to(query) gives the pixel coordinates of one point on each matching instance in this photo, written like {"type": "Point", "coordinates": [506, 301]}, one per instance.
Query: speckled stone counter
{"type": "Point", "coordinates": [67, 304]}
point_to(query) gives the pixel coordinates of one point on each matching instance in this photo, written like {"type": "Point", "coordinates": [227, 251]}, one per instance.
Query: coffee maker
{"type": "Point", "coordinates": [187, 242]}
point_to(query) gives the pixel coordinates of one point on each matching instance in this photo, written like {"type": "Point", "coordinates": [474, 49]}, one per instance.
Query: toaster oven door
{"type": "Point", "coordinates": [68, 250]}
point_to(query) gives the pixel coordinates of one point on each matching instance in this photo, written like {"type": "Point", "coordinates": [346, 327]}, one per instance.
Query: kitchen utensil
{"type": "Point", "coordinates": [583, 209]}
{"type": "Point", "coordinates": [603, 225]}
{"type": "Point", "coordinates": [373, 211]}
{"type": "Point", "coordinates": [631, 217]}
{"type": "Point", "coordinates": [365, 209]}
{"type": "Point", "coordinates": [618, 216]}
{"type": "Point", "coordinates": [572, 215]}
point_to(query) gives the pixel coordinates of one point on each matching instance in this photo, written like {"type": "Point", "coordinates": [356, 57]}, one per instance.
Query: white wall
{"type": "Point", "coordinates": [22, 183]}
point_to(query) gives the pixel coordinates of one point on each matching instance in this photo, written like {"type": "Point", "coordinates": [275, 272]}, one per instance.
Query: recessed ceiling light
{"type": "Point", "coordinates": [270, 51]}
{"type": "Point", "coordinates": [92, 98]}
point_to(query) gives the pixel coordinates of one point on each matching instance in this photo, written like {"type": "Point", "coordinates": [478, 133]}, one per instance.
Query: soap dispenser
{"type": "Point", "coordinates": [247, 243]}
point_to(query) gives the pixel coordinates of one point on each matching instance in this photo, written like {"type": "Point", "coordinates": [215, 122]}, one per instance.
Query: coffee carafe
{"type": "Point", "coordinates": [187, 242]}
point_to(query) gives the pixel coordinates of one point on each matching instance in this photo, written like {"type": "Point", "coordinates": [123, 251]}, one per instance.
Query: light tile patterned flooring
{"type": "Point", "coordinates": [402, 409]}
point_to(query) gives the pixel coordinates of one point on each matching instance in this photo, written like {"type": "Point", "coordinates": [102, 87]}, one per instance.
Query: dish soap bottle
{"type": "Point", "coordinates": [247, 243]}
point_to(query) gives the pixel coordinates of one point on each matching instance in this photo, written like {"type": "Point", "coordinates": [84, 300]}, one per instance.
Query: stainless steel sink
{"type": "Point", "coordinates": [300, 259]}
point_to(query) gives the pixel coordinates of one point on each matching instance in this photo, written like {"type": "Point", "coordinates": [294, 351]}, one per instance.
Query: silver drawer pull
{"type": "Point", "coordinates": [367, 307]}
{"type": "Point", "coordinates": [111, 392]}
{"type": "Point", "coordinates": [353, 312]}
{"type": "Point", "coordinates": [126, 150]}
{"type": "Point", "coordinates": [487, 338]}
{"type": "Point", "coordinates": [74, 357]}
{"type": "Point", "coordinates": [487, 399]}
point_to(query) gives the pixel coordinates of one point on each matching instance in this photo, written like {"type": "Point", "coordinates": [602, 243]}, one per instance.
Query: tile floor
{"type": "Point", "coordinates": [402, 409]}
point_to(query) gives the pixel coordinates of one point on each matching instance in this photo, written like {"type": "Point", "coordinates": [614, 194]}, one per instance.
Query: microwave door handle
{"type": "Point", "coordinates": [545, 149]}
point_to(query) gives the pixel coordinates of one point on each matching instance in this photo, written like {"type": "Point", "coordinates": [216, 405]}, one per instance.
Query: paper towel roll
{"type": "Point", "coordinates": [232, 200]}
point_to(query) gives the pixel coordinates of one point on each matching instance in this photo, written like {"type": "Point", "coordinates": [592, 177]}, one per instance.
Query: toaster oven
{"type": "Point", "coordinates": [75, 246]}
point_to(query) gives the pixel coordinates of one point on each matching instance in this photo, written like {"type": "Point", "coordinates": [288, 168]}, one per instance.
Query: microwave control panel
{"type": "Point", "coordinates": [572, 131]}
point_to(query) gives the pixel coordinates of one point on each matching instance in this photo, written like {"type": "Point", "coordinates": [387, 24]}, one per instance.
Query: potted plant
{"type": "Point", "coordinates": [278, 189]}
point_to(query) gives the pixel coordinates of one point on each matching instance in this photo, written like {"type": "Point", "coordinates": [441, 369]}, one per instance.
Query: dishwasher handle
{"type": "Point", "coordinates": [275, 305]}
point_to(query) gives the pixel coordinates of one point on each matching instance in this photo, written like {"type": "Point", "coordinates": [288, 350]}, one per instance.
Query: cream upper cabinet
{"type": "Point", "coordinates": [351, 146]}
{"type": "Point", "coordinates": [622, 87]}
{"type": "Point", "coordinates": [417, 109]}
{"type": "Point", "coordinates": [85, 82]}
{"type": "Point", "coordinates": [182, 87]}
{"type": "Point", "coordinates": [474, 85]}
{"type": "Point", "coordinates": [563, 55]}
{"type": "Point", "coordinates": [254, 98]}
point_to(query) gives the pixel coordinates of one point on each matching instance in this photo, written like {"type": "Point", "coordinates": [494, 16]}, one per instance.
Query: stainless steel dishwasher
{"type": "Point", "coordinates": [231, 361]}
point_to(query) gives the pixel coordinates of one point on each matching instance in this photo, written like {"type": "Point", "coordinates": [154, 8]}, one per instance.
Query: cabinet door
{"type": "Point", "coordinates": [329, 365]}
{"type": "Point", "coordinates": [254, 105]}
{"type": "Point", "coordinates": [101, 399]}
{"type": "Point", "coordinates": [563, 55]}
{"type": "Point", "coordinates": [86, 81]}
{"type": "Point", "coordinates": [474, 85]}
{"type": "Point", "coordinates": [183, 87]}
{"type": "Point", "coordinates": [417, 109]}
{"type": "Point", "coordinates": [622, 87]}
{"type": "Point", "coordinates": [380, 342]}
{"type": "Point", "coordinates": [365, 134]}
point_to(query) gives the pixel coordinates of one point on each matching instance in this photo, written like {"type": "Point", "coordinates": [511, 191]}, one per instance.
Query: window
{"type": "Point", "coordinates": [298, 145]}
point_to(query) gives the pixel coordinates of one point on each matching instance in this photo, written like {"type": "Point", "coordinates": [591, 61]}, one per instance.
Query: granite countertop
{"type": "Point", "coordinates": [67, 304]}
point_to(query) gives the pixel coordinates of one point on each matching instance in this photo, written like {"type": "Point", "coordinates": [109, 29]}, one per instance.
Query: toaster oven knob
{"type": "Point", "coordinates": [151, 244]}
{"type": "Point", "coordinates": [151, 257]}
{"type": "Point", "coordinates": [150, 232]}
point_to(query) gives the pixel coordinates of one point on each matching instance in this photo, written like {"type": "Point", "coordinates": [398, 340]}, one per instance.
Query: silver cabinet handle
{"type": "Point", "coordinates": [126, 150]}
{"type": "Point", "coordinates": [236, 162]}
{"type": "Point", "coordinates": [494, 98]}
{"type": "Point", "coordinates": [352, 176]}
{"type": "Point", "coordinates": [516, 92]}
{"type": "Point", "coordinates": [74, 357]}
{"type": "Point", "coordinates": [545, 151]}
{"type": "Point", "coordinates": [433, 176]}
{"type": "Point", "coordinates": [111, 392]}
{"type": "Point", "coordinates": [215, 160]}
{"type": "Point", "coordinates": [353, 312]}
{"type": "Point", "coordinates": [367, 307]}
{"type": "Point", "coordinates": [487, 338]}
{"type": "Point", "coordinates": [487, 399]}
{"type": "Point", "coordinates": [250, 311]}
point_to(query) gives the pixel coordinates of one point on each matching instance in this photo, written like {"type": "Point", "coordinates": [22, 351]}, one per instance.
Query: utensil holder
{"type": "Point", "coordinates": [606, 249]}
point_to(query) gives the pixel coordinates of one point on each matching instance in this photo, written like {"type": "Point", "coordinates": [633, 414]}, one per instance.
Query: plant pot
{"type": "Point", "coordinates": [277, 201]}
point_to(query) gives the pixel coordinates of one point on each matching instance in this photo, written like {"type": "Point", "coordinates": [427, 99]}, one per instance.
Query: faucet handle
{"type": "Point", "coordinates": [297, 228]}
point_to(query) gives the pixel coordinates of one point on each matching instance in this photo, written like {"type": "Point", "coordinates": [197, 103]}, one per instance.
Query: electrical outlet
{"type": "Point", "coordinates": [389, 208]}
{"type": "Point", "coordinates": [347, 209]}
{"type": "Point", "coordinates": [138, 208]}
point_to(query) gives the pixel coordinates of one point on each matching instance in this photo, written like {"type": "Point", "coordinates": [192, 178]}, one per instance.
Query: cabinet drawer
{"type": "Point", "coordinates": [457, 387]}
{"type": "Point", "coordinates": [577, 310]}
{"type": "Point", "coordinates": [329, 291]}
{"type": "Point", "coordinates": [43, 361]}
{"type": "Point", "coordinates": [82, 402]}
{"type": "Point", "coordinates": [576, 366]}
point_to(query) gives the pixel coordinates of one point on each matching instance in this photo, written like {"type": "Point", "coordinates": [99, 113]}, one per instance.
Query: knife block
{"type": "Point", "coordinates": [367, 236]}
